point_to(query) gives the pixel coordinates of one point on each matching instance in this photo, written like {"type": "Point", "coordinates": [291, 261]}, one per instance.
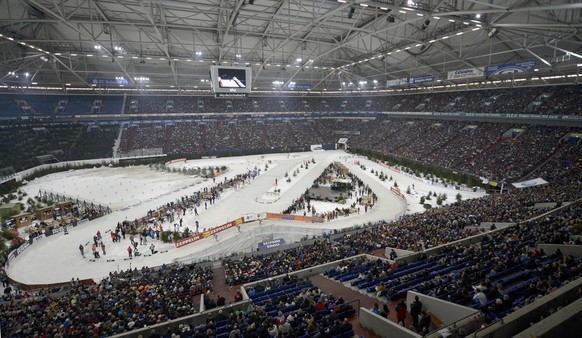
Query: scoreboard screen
{"type": "Point", "coordinates": [231, 80]}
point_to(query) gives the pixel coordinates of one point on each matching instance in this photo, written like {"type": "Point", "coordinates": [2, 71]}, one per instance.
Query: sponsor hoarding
{"type": "Point", "coordinates": [397, 82]}
{"type": "Point", "coordinates": [422, 79]}
{"type": "Point", "coordinates": [510, 68]}
{"type": "Point", "coordinates": [208, 233]}
{"type": "Point", "coordinates": [465, 73]}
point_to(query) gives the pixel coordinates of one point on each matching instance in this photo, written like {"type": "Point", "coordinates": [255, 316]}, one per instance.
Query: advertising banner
{"type": "Point", "coordinates": [108, 82]}
{"type": "Point", "coordinates": [510, 68]}
{"type": "Point", "coordinates": [529, 183]}
{"type": "Point", "coordinates": [271, 244]}
{"type": "Point", "coordinates": [397, 82]}
{"type": "Point", "coordinates": [422, 79]}
{"type": "Point", "coordinates": [183, 159]}
{"type": "Point", "coordinates": [297, 218]}
{"type": "Point", "coordinates": [465, 73]}
{"type": "Point", "coordinates": [398, 193]}
{"type": "Point", "coordinates": [299, 86]}
{"type": "Point", "coordinates": [197, 237]}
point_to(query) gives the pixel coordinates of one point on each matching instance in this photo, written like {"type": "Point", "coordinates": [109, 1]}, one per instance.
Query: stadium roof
{"type": "Point", "coordinates": [320, 44]}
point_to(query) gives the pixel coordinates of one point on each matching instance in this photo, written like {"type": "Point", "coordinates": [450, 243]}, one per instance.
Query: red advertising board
{"type": "Point", "coordinates": [197, 237]}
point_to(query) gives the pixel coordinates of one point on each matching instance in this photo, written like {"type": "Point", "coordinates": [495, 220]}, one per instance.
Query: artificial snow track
{"type": "Point", "coordinates": [57, 259]}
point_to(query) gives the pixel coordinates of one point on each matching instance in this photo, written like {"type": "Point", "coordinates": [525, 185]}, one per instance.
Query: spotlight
{"type": "Point", "coordinates": [492, 33]}
{"type": "Point", "coordinates": [425, 24]}
{"type": "Point", "coordinates": [351, 12]}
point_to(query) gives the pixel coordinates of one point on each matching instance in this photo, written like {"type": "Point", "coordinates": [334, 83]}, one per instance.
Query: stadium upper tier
{"type": "Point", "coordinates": [555, 100]}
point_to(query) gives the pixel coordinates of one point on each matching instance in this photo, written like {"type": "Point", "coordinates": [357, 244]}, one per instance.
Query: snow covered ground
{"type": "Point", "coordinates": [132, 191]}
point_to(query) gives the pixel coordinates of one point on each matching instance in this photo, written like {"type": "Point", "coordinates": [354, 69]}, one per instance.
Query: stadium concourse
{"type": "Point", "coordinates": [57, 259]}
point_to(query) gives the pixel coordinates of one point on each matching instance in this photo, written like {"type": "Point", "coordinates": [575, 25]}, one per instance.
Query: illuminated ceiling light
{"type": "Point", "coordinates": [384, 8]}
{"type": "Point", "coordinates": [97, 47]}
{"type": "Point", "coordinates": [401, 11]}
{"type": "Point", "coordinates": [27, 74]}
{"type": "Point", "coordinates": [120, 56]}
{"type": "Point", "coordinates": [341, 1]}
{"type": "Point", "coordinates": [418, 45]}
{"type": "Point", "coordinates": [57, 54]}
{"type": "Point", "coordinates": [188, 60]}
{"type": "Point", "coordinates": [419, 14]}
{"type": "Point", "coordinates": [73, 54]}
{"type": "Point", "coordinates": [431, 41]}
{"type": "Point", "coordinates": [436, 17]}
{"type": "Point", "coordinates": [364, 5]}
{"type": "Point", "coordinates": [162, 59]}
{"type": "Point", "coordinates": [478, 16]}
{"type": "Point", "coordinates": [104, 56]}
{"type": "Point", "coordinates": [475, 29]}
{"type": "Point", "coordinates": [445, 37]}
{"type": "Point", "coordinates": [89, 55]}
{"type": "Point", "coordinates": [579, 65]}
{"type": "Point", "coordinates": [67, 84]}
{"type": "Point", "coordinates": [11, 39]}
{"type": "Point", "coordinates": [451, 20]}
{"type": "Point", "coordinates": [465, 23]}
{"type": "Point", "coordinates": [200, 60]}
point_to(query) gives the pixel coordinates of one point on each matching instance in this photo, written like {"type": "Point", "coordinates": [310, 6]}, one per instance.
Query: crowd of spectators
{"type": "Point", "coordinates": [518, 153]}
{"type": "Point", "coordinates": [563, 100]}
{"type": "Point", "coordinates": [495, 151]}
{"type": "Point", "coordinates": [537, 100]}
{"type": "Point", "coordinates": [415, 232]}
{"type": "Point", "coordinates": [503, 272]}
{"type": "Point", "coordinates": [20, 145]}
{"type": "Point", "coordinates": [360, 195]}
{"type": "Point", "coordinates": [123, 302]}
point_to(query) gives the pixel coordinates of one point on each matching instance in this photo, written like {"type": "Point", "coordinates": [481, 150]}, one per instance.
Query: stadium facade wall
{"type": "Point", "coordinates": [383, 327]}
{"type": "Point", "coordinates": [574, 250]}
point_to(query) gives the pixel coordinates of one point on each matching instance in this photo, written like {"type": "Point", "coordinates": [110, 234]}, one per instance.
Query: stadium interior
{"type": "Point", "coordinates": [479, 94]}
